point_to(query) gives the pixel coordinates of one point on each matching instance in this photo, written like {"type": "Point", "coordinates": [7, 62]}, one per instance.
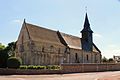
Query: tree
{"type": "Point", "coordinates": [104, 60]}
{"type": "Point", "coordinates": [13, 62]}
{"type": "Point", "coordinates": [3, 56]}
{"type": "Point", "coordinates": [110, 60]}
{"type": "Point", "coordinates": [2, 47]}
{"type": "Point", "coordinates": [5, 53]}
{"type": "Point", "coordinates": [10, 49]}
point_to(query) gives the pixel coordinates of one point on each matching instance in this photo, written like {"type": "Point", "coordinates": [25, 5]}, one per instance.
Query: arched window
{"type": "Point", "coordinates": [51, 46]}
{"type": "Point", "coordinates": [43, 49]}
{"type": "Point", "coordinates": [76, 55]}
{"type": "Point", "coordinates": [87, 57]}
{"type": "Point", "coordinates": [76, 58]}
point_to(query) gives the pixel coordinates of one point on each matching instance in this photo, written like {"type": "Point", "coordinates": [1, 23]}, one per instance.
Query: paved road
{"type": "Point", "coordinates": [115, 75]}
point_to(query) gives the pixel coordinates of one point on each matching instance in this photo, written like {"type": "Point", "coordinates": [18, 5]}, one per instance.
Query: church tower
{"type": "Point", "coordinates": [87, 38]}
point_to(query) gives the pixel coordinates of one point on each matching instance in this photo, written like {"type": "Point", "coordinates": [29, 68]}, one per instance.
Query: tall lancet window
{"type": "Point", "coordinates": [87, 57]}
{"type": "Point", "coordinates": [76, 58]}
{"type": "Point", "coordinates": [43, 49]}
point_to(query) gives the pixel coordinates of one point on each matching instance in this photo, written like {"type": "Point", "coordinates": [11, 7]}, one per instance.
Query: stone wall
{"type": "Point", "coordinates": [76, 56]}
{"type": "Point", "coordinates": [40, 53]}
{"type": "Point", "coordinates": [66, 68]}
{"type": "Point", "coordinates": [91, 67]}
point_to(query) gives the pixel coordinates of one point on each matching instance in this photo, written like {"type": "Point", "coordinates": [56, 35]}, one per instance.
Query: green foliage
{"type": "Point", "coordinates": [23, 67]}
{"type": "Point", "coordinates": [51, 67]}
{"type": "Point", "coordinates": [10, 49]}
{"type": "Point", "coordinates": [2, 47]}
{"type": "Point", "coordinates": [31, 67]}
{"type": "Point", "coordinates": [104, 60]}
{"type": "Point", "coordinates": [3, 57]}
{"type": "Point", "coordinates": [110, 60]}
{"type": "Point", "coordinates": [13, 62]}
{"type": "Point", "coordinates": [5, 53]}
{"type": "Point", "coordinates": [40, 67]}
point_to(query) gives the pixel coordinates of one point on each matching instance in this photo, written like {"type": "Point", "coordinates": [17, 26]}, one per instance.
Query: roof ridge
{"type": "Point", "coordinates": [41, 27]}
{"type": "Point", "coordinates": [52, 30]}
{"type": "Point", "coordinates": [70, 35]}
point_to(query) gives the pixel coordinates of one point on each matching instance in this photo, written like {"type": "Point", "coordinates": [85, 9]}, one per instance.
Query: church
{"type": "Point", "coordinates": [41, 46]}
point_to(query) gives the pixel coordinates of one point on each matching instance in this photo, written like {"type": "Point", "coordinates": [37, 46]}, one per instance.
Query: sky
{"type": "Point", "coordinates": [66, 16]}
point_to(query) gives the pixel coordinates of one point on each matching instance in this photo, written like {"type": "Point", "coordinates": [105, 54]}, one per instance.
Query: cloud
{"type": "Point", "coordinates": [97, 35]}
{"type": "Point", "coordinates": [17, 21]}
{"type": "Point", "coordinates": [112, 46]}
{"type": "Point", "coordinates": [110, 52]}
{"type": "Point", "coordinates": [98, 39]}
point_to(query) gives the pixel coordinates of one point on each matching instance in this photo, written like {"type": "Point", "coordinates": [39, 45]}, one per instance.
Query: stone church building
{"type": "Point", "coordinates": [40, 46]}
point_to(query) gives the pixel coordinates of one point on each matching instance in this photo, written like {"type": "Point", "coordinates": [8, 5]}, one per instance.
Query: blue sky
{"type": "Point", "coordinates": [66, 16]}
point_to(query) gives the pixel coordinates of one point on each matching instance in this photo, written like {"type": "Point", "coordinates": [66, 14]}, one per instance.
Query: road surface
{"type": "Point", "coordinates": [112, 75]}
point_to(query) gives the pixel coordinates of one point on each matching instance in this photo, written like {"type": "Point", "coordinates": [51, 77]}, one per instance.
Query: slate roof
{"type": "Point", "coordinates": [72, 41]}
{"type": "Point", "coordinates": [38, 33]}
{"type": "Point", "coordinates": [42, 34]}
{"type": "Point", "coordinates": [75, 42]}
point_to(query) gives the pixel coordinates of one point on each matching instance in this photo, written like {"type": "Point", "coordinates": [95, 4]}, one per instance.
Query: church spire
{"type": "Point", "coordinates": [86, 25]}
{"type": "Point", "coordinates": [87, 40]}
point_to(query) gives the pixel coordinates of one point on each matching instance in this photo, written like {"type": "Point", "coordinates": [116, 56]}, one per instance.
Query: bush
{"type": "Point", "coordinates": [110, 60]}
{"type": "Point", "coordinates": [50, 67]}
{"type": "Point", "coordinates": [53, 67]}
{"type": "Point", "coordinates": [3, 59]}
{"type": "Point", "coordinates": [104, 60]}
{"type": "Point", "coordinates": [31, 67]}
{"type": "Point", "coordinates": [13, 62]}
{"type": "Point", "coordinates": [40, 67]}
{"type": "Point", "coordinates": [23, 67]}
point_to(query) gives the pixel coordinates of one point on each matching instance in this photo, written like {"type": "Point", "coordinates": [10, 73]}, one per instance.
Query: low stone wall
{"type": "Point", "coordinates": [66, 68]}
{"type": "Point", "coordinates": [27, 72]}
{"type": "Point", "coordinates": [69, 68]}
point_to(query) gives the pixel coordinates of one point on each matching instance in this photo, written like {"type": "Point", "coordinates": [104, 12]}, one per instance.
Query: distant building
{"type": "Point", "coordinates": [40, 46]}
{"type": "Point", "coordinates": [116, 59]}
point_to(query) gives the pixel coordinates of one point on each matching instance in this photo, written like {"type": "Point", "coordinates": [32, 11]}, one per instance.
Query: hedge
{"type": "Point", "coordinates": [50, 67]}
{"type": "Point", "coordinates": [13, 62]}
